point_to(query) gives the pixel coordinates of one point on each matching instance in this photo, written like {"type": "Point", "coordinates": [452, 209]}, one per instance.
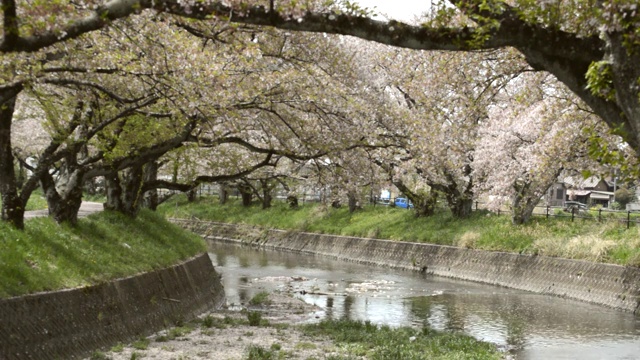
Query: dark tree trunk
{"type": "Point", "coordinates": [191, 195]}
{"type": "Point", "coordinates": [22, 176]}
{"type": "Point", "coordinates": [523, 203]}
{"type": "Point", "coordinates": [522, 209]}
{"type": "Point", "coordinates": [425, 205]}
{"type": "Point", "coordinates": [150, 199]}
{"type": "Point", "coordinates": [113, 191]}
{"type": "Point", "coordinates": [520, 212]}
{"type": "Point", "coordinates": [461, 207]}
{"type": "Point", "coordinates": [223, 193]}
{"type": "Point", "coordinates": [459, 197]}
{"type": "Point", "coordinates": [353, 201]}
{"type": "Point", "coordinates": [246, 193]}
{"type": "Point", "coordinates": [266, 200]}
{"type": "Point", "coordinates": [292, 200]}
{"type": "Point", "coordinates": [12, 204]}
{"type": "Point", "coordinates": [266, 194]}
{"type": "Point", "coordinates": [124, 192]}
{"type": "Point", "coordinates": [132, 195]}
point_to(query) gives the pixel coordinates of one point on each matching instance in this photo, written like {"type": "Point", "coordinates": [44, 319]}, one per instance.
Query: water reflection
{"type": "Point", "coordinates": [530, 326]}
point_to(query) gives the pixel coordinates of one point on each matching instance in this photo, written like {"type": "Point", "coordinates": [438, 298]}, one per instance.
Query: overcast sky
{"type": "Point", "coordinates": [403, 10]}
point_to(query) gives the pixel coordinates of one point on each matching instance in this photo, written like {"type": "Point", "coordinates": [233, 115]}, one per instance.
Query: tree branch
{"type": "Point", "coordinates": [11, 30]}
{"type": "Point", "coordinates": [157, 184]}
{"type": "Point", "coordinates": [206, 142]}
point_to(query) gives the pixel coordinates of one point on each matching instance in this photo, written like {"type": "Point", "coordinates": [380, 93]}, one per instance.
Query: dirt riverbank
{"type": "Point", "coordinates": [226, 334]}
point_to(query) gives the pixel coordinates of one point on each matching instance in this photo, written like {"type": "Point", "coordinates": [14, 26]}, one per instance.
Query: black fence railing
{"type": "Point", "coordinates": [625, 217]}
{"type": "Point", "coordinates": [598, 214]}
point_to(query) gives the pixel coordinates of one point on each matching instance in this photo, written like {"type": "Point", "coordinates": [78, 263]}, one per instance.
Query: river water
{"type": "Point", "coordinates": [526, 325]}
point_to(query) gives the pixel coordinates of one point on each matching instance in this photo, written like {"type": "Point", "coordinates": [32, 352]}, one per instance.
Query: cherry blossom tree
{"type": "Point", "coordinates": [445, 97]}
{"type": "Point", "coordinates": [593, 50]}
{"type": "Point", "coordinates": [538, 131]}
{"type": "Point", "coordinates": [299, 102]}
{"type": "Point", "coordinates": [591, 47]}
{"type": "Point", "coordinates": [310, 104]}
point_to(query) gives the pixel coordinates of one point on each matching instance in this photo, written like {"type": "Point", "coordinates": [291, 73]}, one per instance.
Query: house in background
{"type": "Point", "coordinates": [557, 194]}
{"type": "Point", "coordinates": [590, 191]}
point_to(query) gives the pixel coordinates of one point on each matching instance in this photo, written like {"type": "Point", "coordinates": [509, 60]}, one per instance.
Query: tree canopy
{"type": "Point", "coordinates": [124, 84]}
{"type": "Point", "coordinates": [592, 46]}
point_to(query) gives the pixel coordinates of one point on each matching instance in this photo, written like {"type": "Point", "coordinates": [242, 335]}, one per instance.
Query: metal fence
{"type": "Point", "coordinates": [624, 217]}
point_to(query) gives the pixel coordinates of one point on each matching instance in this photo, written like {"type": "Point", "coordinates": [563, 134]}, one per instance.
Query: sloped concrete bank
{"type": "Point", "coordinates": [611, 285]}
{"type": "Point", "coordinates": [73, 323]}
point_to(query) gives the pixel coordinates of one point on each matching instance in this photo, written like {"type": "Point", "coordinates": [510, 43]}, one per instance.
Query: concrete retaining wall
{"type": "Point", "coordinates": [605, 284]}
{"type": "Point", "coordinates": [72, 323]}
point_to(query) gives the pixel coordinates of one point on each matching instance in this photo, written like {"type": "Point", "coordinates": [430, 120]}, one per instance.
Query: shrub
{"type": "Point", "coordinates": [261, 298]}
{"type": "Point", "coordinates": [254, 317]}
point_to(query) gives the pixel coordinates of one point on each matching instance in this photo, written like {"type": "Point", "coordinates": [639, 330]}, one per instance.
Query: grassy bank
{"type": "Point", "coordinates": [358, 339]}
{"type": "Point", "coordinates": [582, 239]}
{"type": "Point", "coordinates": [104, 246]}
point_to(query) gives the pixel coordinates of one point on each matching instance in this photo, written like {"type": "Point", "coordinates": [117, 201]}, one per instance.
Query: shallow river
{"type": "Point", "coordinates": [527, 325]}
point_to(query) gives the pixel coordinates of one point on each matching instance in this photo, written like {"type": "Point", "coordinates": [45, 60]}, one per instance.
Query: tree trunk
{"type": "Point", "coordinates": [63, 201]}
{"type": "Point", "coordinates": [352, 198]}
{"type": "Point", "coordinates": [124, 192]}
{"type": "Point", "coordinates": [191, 195]}
{"type": "Point", "coordinates": [223, 193]}
{"type": "Point", "coordinates": [132, 191]}
{"type": "Point", "coordinates": [266, 194]}
{"type": "Point", "coordinates": [114, 192]}
{"type": "Point", "coordinates": [150, 199]}
{"type": "Point", "coordinates": [424, 203]}
{"type": "Point", "coordinates": [246, 193]}
{"type": "Point", "coordinates": [266, 199]}
{"type": "Point", "coordinates": [522, 205]}
{"type": "Point", "coordinates": [292, 200]}
{"type": "Point", "coordinates": [461, 207]}
{"type": "Point", "coordinates": [522, 210]}
{"type": "Point", "coordinates": [21, 178]}
{"type": "Point", "coordinates": [12, 204]}
{"type": "Point", "coordinates": [459, 196]}
{"type": "Point", "coordinates": [424, 206]}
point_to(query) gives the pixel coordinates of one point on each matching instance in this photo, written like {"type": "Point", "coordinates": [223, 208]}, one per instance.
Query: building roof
{"type": "Point", "coordinates": [580, 183]}
{"type": "Point", "coordinates": [578, 192]}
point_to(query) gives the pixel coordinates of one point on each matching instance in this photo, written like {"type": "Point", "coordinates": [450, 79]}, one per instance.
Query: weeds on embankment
{"type": "Point", "coordinates": [104, 246]}
{"type": "Point", "coordinates": [582, 239]}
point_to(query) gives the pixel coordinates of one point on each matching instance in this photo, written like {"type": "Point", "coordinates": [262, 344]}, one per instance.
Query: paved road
{"type": "Point", "coordinates": [86, 208]}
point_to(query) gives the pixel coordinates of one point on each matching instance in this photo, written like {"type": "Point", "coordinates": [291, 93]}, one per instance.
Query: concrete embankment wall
{"type": "Point", "coordinates": [605, 284]}
{"type": "Point", "coordinates": [73, 323]}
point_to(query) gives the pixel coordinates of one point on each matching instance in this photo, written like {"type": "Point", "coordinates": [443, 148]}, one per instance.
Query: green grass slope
{"type": "Point", "coordinates": [584, 239]}
{"type": "Point", "coordinates": [104, 246]}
